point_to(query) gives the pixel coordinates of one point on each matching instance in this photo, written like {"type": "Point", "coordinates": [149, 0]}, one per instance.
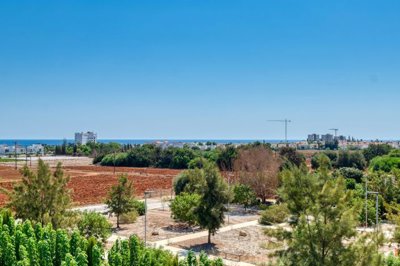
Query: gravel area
{"type": "Point", "coordinates": [251, 247]}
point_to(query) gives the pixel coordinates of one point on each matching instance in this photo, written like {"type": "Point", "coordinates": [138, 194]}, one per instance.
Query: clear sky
{"type": "Point", "coordinates": [199, 69]}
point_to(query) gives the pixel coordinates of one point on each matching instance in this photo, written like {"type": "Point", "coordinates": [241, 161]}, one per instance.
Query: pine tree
{"type": "Point", "coordinates": [41, 196]}
{"type": "Point", "coordinates": [120, 198]}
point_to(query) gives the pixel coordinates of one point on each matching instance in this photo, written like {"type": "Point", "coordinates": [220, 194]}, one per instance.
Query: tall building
{"type": "Point", "coordinates": [313, 138]}
{"type": "Point", "coordinates": [83, 138]}
{"type": "Point", "coordinates": [327, 138]}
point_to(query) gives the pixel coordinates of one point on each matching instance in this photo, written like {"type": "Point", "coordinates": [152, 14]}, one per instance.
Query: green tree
{"type": "Point", "coordinates": [42, 196]}
{"type": "Point", "coordinates": [351, 159]}
{"type": "Point", "coordinates": [226, 157]}
{"type": "Point", "coordinates": [244, 195]}
{"type": "Point", "coordinates": [327, 220]}
{"type": "Point", "coordinates": [375, 150]}
{"type": "Point", "coordinates": [94, 224]}
{"type": "Point", "coordinates": [291, 157]}
{"type": "Point", "coordinates": [120, 198]}
{"type": "Point", "coordinates": [213, 197]}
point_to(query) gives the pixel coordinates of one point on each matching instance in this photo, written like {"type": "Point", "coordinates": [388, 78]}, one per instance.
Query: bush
{"type": "Point", "coordinates": [139, 207]}
{"type": "Point", "coordinates": [129, 218]}
{"type": "Point", "coordinates": [94, 224]}
{"type": "Point", "coordinates": [183, 207]}
{"type": "Point", "coordinates": [274, 214]}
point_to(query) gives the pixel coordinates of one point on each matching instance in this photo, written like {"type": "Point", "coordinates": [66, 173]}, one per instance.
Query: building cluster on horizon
{"type": "Point", "coordinates": [164, 144]}
{"type": "Point", "coordinates": [37, 149]}
{"type": "Point", "coordinates": [326, 138]}
{"type": "Point", "coordinates": [329, 141]}
{"type": "Point", "coordinates": [83, 138]}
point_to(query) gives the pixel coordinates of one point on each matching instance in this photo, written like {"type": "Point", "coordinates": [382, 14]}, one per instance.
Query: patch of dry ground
{"type": "Point", "coordinates": [230, 245]}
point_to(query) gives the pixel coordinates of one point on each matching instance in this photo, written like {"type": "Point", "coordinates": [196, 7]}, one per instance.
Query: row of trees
{"type": "Point", "coordinates": [150, 155]}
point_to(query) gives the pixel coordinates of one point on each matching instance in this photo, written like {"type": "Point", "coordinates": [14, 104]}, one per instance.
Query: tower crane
{"type": "Point", "coordinates": [286, 121]}
{"type": "Point", "coordinates": [336, 131]}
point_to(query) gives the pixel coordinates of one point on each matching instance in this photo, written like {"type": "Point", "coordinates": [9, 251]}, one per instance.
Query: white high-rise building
{"type": "Point", "coordinates": [83, 138]}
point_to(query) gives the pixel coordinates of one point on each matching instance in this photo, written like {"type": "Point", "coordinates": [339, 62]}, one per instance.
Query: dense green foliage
{"type": "Point", "coordinates": [214, 195]}
{"type": "Point", "coordinates": [350, 173]}
{"type": "Point", "coordinates": [41, 196]}
{"type": "Point", "coordinates": [326, 219]}
{"type": "Point", "coordinates": [243, 194]}
{"type": "Point", "coordinates": [132, 252]}
{"type": "Point", "coordinates": [183, 207]}
{"type": "Point", "coordinates": [291, 157]}
{"type": "Point", "coordinates": [375, 150]}
{"type": "Point", "coordinates": [386, 163]}
{"type": "Point", "coordinates": [30, 244]}
{"type": "Point", "coordinates": [150, 155]}
{"type": "Point", "coordinates": [350, 159]}
{"type": "Point", "coordinates": [94, 224]}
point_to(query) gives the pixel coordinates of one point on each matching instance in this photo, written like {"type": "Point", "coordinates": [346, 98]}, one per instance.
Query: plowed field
{"type": "Point", "coordinates": [90, 184]}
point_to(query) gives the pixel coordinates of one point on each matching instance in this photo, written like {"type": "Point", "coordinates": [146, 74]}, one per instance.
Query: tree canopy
{"type": "Point", "coordinates": [41, 196]}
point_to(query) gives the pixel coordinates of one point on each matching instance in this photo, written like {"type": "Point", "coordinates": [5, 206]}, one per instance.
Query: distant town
{"type": "Point", "coordinates": [314, 141]}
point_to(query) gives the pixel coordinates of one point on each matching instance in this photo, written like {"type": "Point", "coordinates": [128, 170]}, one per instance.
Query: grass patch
{"type": "Point", "coordinates": [7, 160]}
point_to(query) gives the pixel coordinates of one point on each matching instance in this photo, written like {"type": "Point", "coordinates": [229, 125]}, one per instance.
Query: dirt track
{"type": "Point", "coordinates": [90, 184]}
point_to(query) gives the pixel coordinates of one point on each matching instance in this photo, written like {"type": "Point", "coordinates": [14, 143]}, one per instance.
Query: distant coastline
{"type": "Point", "coordinates": [27, 142]}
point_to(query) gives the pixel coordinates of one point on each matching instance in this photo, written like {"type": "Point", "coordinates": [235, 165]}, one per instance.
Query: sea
{"type": "Point", "coordinates": [52, 142]}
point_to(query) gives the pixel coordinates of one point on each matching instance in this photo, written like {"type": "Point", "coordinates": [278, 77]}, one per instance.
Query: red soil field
{"type": "Point", "coordinates": [90, 184]}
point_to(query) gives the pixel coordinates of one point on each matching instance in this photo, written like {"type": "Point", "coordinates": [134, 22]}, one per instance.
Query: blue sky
{"type": "Point", "coordinates": [199, 69]}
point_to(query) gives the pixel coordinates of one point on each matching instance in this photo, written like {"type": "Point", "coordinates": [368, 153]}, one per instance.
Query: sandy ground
{"type": "Point", "coordinates": [249, 248]}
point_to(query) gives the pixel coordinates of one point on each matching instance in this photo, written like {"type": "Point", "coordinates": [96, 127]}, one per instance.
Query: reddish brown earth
{"type": "Point", "coordinates": [90, 184]}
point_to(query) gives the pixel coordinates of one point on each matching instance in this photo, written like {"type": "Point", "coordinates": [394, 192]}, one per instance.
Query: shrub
{"type": "Point", "coordinates": [129, 218]}
{"type": "Point", "coordinates": [274, 214]}
{"type": "Point", "coordinates": [94, 224]}
{"type": "Point", "coordinates": [139, 207]}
